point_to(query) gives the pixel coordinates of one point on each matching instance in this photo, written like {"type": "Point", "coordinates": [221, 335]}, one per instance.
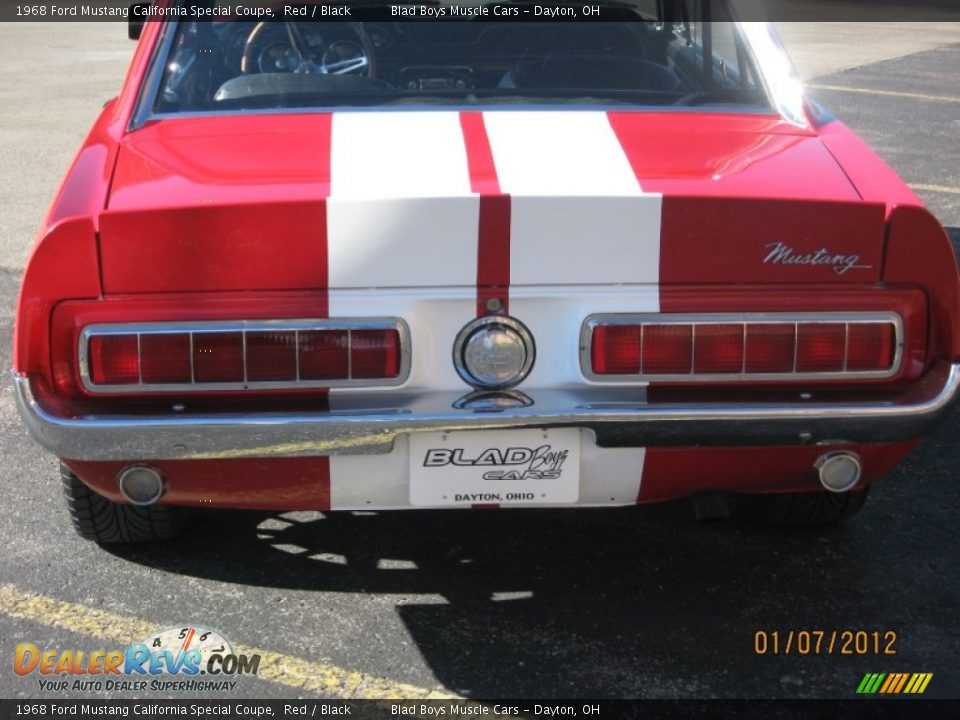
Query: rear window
{"type": "Point", "coordinates": [656, 53]}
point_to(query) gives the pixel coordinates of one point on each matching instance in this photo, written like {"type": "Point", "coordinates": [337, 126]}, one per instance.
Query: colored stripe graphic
{"type": "Point", "coordinates": [903, 681]}
{"type": "Point", "coordinates": [892, 678]}
{"type": "Point", "coordinates": [894, 683]}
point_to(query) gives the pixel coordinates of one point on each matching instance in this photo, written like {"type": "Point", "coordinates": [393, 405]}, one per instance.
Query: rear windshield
{"type": "Point", "coordinates": [659, 55]}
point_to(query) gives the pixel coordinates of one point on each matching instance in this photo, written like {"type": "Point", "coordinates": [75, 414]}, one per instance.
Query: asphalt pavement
{"type": "Point", "coordinates": [639, 602]}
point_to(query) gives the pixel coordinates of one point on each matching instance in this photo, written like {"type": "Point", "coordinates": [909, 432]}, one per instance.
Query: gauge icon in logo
{"type": "Point", "coordinates": [200, 642]}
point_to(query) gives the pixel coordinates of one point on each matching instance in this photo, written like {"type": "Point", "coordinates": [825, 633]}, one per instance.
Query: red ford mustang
{"type": "Point", "coordinates": [383, 264]}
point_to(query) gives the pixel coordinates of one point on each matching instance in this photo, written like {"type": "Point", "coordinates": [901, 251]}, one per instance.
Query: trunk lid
{"type": "Point", "coordinates": [414, 199]}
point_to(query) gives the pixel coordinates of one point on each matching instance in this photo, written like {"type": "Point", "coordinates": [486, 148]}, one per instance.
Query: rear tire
{"type": "Point", "coordinates": [801, 509]}
{"type": "Point", "coordinates": [106, 522]}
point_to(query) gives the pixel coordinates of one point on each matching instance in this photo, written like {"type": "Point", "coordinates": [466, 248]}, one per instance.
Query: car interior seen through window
{"type": "Point", "coordinates": [654, 58]}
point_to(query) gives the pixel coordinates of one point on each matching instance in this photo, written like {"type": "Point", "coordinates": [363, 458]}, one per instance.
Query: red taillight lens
{"type": "Point", "coordinates": [247, 355]}
{"type": "Point", "coordinates": [114, 359]}
{"type": "Point", "coordinates": [870, 347]}
{"type": "Point", "coordinates": [754, 347]}
{"type": "Point", "coordinates": [324, 355]}
{"type": "Point", "coordinates": [271, 356]}
{"type": "Point", "coordinates": [770, 348]}
{"type": "Point", "coordinates": [718, 349]}
{"type": "Point", "coordinates": [667, 349]}
{"type": "Point", "coordinates": [165, 358]}
{"type": "Point", "coordinates": [374, 353]}
{"type": "Point", "coordinates": [615, 350]}
{"type": "Point", "coordinates": [821, 347]}
{"type": "Point", "coordinates": [218, 357]}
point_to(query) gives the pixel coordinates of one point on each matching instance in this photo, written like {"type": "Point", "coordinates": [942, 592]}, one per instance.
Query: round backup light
{"type": "Point", "coordinates": [140, 484]}
{"type": "Point", "coordinates": [494, 353]}
{"type": "Point", "coordinates": [839, 471]}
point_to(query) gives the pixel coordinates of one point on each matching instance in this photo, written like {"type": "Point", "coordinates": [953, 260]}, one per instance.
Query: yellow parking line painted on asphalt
{"type": "Point", "coordinates": [888, 93]}
{"type": "Point", "coordinates": [936, 188]}
{"type": "Point", "coordinates": [294, 672]}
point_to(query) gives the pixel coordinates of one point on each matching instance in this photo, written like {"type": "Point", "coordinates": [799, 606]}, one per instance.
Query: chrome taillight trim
{"type": "Point", "coordinates": [745, 319]}
{"type": "Point", "coordinates": [244, 326]}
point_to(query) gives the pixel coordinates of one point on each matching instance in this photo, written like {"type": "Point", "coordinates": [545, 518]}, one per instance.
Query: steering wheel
{"type": "Point", "coordinates": [340, 57]}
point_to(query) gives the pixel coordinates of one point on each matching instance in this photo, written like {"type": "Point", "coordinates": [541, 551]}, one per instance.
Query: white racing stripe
{"type": "Point", "coordinates": [402, 242]}
{"type": "Point", "coordinates": [578, 214]}
{"type": "Point", "coordinates": [579, 217]}
{"type": "Point", "coordinates": [400, 212]}
{"type": "Point", "coordinates": [398, 154]}
{"type": "Point", "coordinates": [558, 154]}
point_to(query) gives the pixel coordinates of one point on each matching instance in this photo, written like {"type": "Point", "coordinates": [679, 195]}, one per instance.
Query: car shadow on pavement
{"type": "Point", "coordinates": [576, 603]}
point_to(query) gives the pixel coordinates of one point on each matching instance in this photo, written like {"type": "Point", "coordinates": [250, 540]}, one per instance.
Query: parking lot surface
{"type": "Point", "coordinates": [639, 602]}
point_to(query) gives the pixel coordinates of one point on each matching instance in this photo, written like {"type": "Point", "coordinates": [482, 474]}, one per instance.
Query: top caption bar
{"type": "Point", "coordinates": [517, 11]}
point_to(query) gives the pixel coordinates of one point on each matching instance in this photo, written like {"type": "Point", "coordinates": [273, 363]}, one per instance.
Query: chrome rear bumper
{"type": "Point", "coordinates": [616, 423]}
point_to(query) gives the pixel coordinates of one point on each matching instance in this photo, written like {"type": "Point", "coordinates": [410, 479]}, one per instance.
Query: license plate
{"type": "Point", "coordinates": [495, 467]}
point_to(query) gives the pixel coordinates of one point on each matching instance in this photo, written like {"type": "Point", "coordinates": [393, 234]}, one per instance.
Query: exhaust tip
{"type": "Point", "coordinates": [140, 484]}
{"type": "Point", "coordinates": [839, 471]}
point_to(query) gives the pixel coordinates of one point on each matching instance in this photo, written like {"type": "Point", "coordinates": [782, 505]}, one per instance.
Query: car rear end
{"type": "Point", "coordinates": [449, 308]}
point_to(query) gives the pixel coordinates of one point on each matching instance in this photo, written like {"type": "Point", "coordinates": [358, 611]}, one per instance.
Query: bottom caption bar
{"type": "Point", "coordinates": [639, 708]}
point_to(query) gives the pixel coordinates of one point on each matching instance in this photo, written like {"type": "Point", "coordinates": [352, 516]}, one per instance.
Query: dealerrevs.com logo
{"type": "Point", "coordinates": [186, 659]}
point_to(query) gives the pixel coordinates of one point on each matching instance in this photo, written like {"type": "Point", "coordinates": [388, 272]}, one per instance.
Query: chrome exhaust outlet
{"type": "Point", "coordinates": [140, 484]}
{"type": "Point", "coordinates": [839, 471]}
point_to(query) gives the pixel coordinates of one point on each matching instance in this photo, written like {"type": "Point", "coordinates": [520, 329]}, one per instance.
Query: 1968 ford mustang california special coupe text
{"type": "Point", "coordinates": [382, 264]}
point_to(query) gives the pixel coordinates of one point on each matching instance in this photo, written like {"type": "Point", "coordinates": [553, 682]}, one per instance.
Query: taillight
{"type": "Point", "coordinates": [324, 354]}
{"type": "Point", "coordinates": [667, 349]}
{"type": "Point", "coordinates": [770, 348]}
{"type": "Point", "coordinates": [218, 357]}
{"type": "Point", "coordinates": [742, 347]}
{"type": "Point", "coordinates": [271, 356]}
{"type": "Point", "coordinates": [164, 357]}
{"type": "Point", "coordinates": [374, 353]}
{"type": "Point", "coordinates": [871, 346]}
{"type": "Point", "coordinates": [821, 348]}
{"type": "Point", "coordinates": [720, 349]}
{"type": "Point", "coordinates": [616, 349]}
{"type": "Point", "coordinates": [114, 360]}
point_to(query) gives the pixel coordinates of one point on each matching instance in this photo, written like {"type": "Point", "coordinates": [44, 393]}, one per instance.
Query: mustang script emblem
{"type": "Point", "coordinates": [783, 254]}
